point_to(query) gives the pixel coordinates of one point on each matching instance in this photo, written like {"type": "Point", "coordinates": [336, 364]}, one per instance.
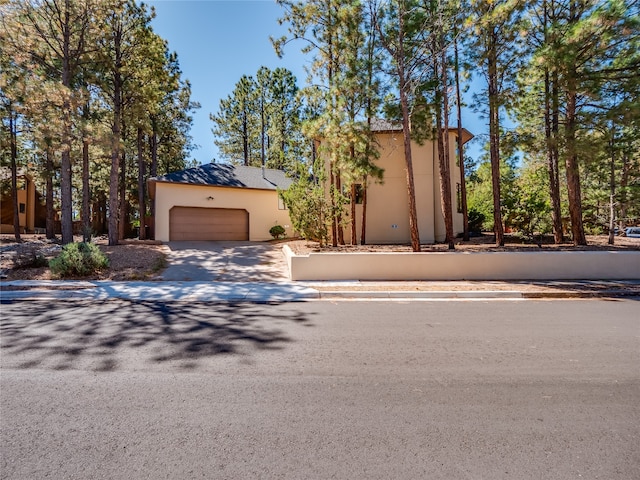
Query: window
{"type": "Point", "coordinates": [23, 208]}
{"type": "Point", "coordinates": [459, 197]}
{"type": "Point", "coordinates": [359, 194]}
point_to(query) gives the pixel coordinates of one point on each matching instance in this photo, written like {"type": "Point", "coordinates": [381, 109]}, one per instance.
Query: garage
{"type": "Point", "coordinates": [219, 202]}
{"type": "Point", "coordinates": [195, 223]}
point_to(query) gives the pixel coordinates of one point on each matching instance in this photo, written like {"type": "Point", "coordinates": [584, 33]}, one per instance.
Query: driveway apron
{"type": "Point", "coordinates": [225, 262]}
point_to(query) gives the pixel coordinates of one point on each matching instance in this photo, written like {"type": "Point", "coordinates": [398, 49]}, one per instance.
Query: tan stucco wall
{"type": "Point", "coordinates": [30, 217]}
{"type": "Point", "coordinates": [262, 206]}
{"type": "Point", "coordinates": [27, 219]}
{"type": "Point", "coordinates": [22, 198]}
{"type": "Point", "coordinates": [464, 266]}
{"type": "Point", "coordinates": [388, 204]}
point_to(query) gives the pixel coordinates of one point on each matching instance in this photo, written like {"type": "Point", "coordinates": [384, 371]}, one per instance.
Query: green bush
{"type": "Point", "coordinates": [309, 210]}
{"type": "Point", "coordinates": [277, 231]}
{"type": "Point", "coordinates": [476, 220]}
{"type": "Point", "coordinates": [78, 259]}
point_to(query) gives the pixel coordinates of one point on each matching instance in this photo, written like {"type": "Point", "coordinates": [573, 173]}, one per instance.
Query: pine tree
{"type": "Point", "coordinates": [54, 38]}
{"type": "Point", "coordinates": [496, 48]}
{"type": "Point", "coordinates": [400, 27]}
{"type": "Point", "coordinates": [235, 128]}
{"type": "Point", "coordinates": [334, 31]}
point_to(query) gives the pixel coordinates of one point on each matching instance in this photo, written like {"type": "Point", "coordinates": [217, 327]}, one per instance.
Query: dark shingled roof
{"type": "Point", "coordinates": [224, 175]}
{"type": "Point", "coordinates": [382, 125]}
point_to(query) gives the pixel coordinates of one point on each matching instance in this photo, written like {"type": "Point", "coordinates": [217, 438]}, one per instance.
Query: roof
{"type": "Point", "coordinates": [5, 173]}
{"type": "Point", "coordinates": [225, 175]}
{"type": "Point", "coordinates": [380, 125]}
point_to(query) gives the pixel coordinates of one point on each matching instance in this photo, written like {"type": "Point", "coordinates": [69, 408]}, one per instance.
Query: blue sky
{"type": "Point", "coordinates": [218, 41]}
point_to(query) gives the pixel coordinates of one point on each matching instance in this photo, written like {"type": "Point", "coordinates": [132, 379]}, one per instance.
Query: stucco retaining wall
{"type": "Point", "coordinates": [596, 265]}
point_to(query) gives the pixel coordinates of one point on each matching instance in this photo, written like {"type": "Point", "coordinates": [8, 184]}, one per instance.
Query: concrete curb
{"type": "Point", "coordinates": [421, 295]}
{"type": "Point", "coordinates": [265, 292]}
{"type": "Point", "coordinates": [476, 295]}
{"type": "Point", "coordinates": [582, 294]}
{"type": "Point", "coordinates": [158, 291]}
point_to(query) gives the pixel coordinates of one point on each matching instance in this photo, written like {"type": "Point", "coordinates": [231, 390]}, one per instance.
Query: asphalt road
{"type": "Point", "coordinates": [354, 390]}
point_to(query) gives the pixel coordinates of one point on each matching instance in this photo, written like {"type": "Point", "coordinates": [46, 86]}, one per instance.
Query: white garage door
{"type": "Point", "coordinates": [192, 223]}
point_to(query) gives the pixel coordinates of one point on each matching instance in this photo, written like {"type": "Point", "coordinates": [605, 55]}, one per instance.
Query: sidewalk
{"type": "Point", "coordinates": [301, 291]}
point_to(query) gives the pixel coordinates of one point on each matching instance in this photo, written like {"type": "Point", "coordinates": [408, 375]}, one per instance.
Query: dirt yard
{"type": "Point", "coordinates": [133, 260]}
{"type": "Point", "coordinates": [483, 243]}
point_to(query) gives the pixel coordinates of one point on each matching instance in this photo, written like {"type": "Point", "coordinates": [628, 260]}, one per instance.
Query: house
{"type": "Point", "coordinates": [32, 212]}
{"type": "Point", "coordinates": [387, 210]}
{"type": "Point", "coordinates": [219, 202]}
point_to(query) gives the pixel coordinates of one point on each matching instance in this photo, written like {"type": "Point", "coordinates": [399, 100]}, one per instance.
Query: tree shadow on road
{"type": "Point", "coordinates": [102, 335]}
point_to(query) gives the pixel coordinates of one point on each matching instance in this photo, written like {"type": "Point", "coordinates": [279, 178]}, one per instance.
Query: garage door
{"type": "Point", "coordinates": [192, 223]}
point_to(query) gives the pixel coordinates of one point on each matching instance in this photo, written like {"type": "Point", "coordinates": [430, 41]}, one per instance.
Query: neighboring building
{"type": "Point", "coordinates": [31, 209]}
{"type": "Point", "coordinates": [219, 202]}
{"type": "Point", "coordinates": [387, 202]}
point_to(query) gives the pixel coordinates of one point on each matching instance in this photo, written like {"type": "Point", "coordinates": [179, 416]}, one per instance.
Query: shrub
{"type": "Point", "coordinates": [309, 210]}
{"type": "Point", "coordinates": [29, 256]}
{"type": "Point", "coordinates": [277, 231]}
{"type": "Point", "coordinates": [78, 259]}
{"type": "Point", "coordinates": [476, 220]}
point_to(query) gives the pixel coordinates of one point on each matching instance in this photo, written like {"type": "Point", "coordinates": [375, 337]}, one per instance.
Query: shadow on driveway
{"type": "Point", "coordinates": [225, 262]}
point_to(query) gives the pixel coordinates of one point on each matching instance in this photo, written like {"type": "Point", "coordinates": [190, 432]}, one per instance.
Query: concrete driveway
{"type": "Point", "coordinates": [225, 262]}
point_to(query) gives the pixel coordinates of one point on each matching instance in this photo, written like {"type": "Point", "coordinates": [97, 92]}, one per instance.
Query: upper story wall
{"type": "Point", "coordinates": [387, 202]}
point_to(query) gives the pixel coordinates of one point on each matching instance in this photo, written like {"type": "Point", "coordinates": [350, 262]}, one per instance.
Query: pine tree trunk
{"type": "Point", "coordinates": [142, 211]}
{"type": "Point", "coordinates": [553, 159]}
{"type": "Point", "coordinates": [13, 140]}
{"type": "Point", "coordinates": [624, 182]}
{"type": "Point", "coordinates": [572, 168]}
{"type": "Point", "coordinates": [123, 204]}
{"type": "Point", "coordinates": [154, 164]}
{"type": "Point", "coordinates": [463, 181]}
{"type": "Point", "coordinates": [263, 161]}
{"type": "Point", "coordinates": [551, 124]}
{"type": "Point", "coordinates": [66, 199]}
{"type": "Point", "coordinates": [339, 227]}
{"type": "Point", "coordinates": [334, 223]}
{"type": "Point", "coordinates": [445, 169]}
{"type": "Point", "coordinates": [612, 188]}
{"type": "Point", "coordinates": [406, 134]}
{"type": "Point", "coordinates": [494, 138]}
{"type": "Point", "coordinates": [114, 209]}
{"type": "Point", "coordinates": [354, 233]}
{"type": "Point", "coordinates": [571, 159]}
{"type": "Point", "coordinates": [86, 206]}
{"type": "Point", "coordinates": [50, 224]}
{"type": "Point", "coordinates": [245, 140]}
{"type": "Point", "coordinates": [363, 229]}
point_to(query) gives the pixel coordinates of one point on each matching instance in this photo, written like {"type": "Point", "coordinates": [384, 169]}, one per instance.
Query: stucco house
{"type": "Point", "coordinates": [387, 202]}
{"type": "Point", "coordinates": [219, 202]}
{"type": "Point", "coordinates": [32, 212]}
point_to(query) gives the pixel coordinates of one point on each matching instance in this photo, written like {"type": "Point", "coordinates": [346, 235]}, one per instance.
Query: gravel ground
{"type": "Point", "coordinates": [133, 260]}
{"type": "Point", "coordinates": [482, 243]}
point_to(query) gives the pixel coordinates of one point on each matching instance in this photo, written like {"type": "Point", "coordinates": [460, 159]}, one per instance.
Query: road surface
{"type": "Point", "coordinates": [354, 390]}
